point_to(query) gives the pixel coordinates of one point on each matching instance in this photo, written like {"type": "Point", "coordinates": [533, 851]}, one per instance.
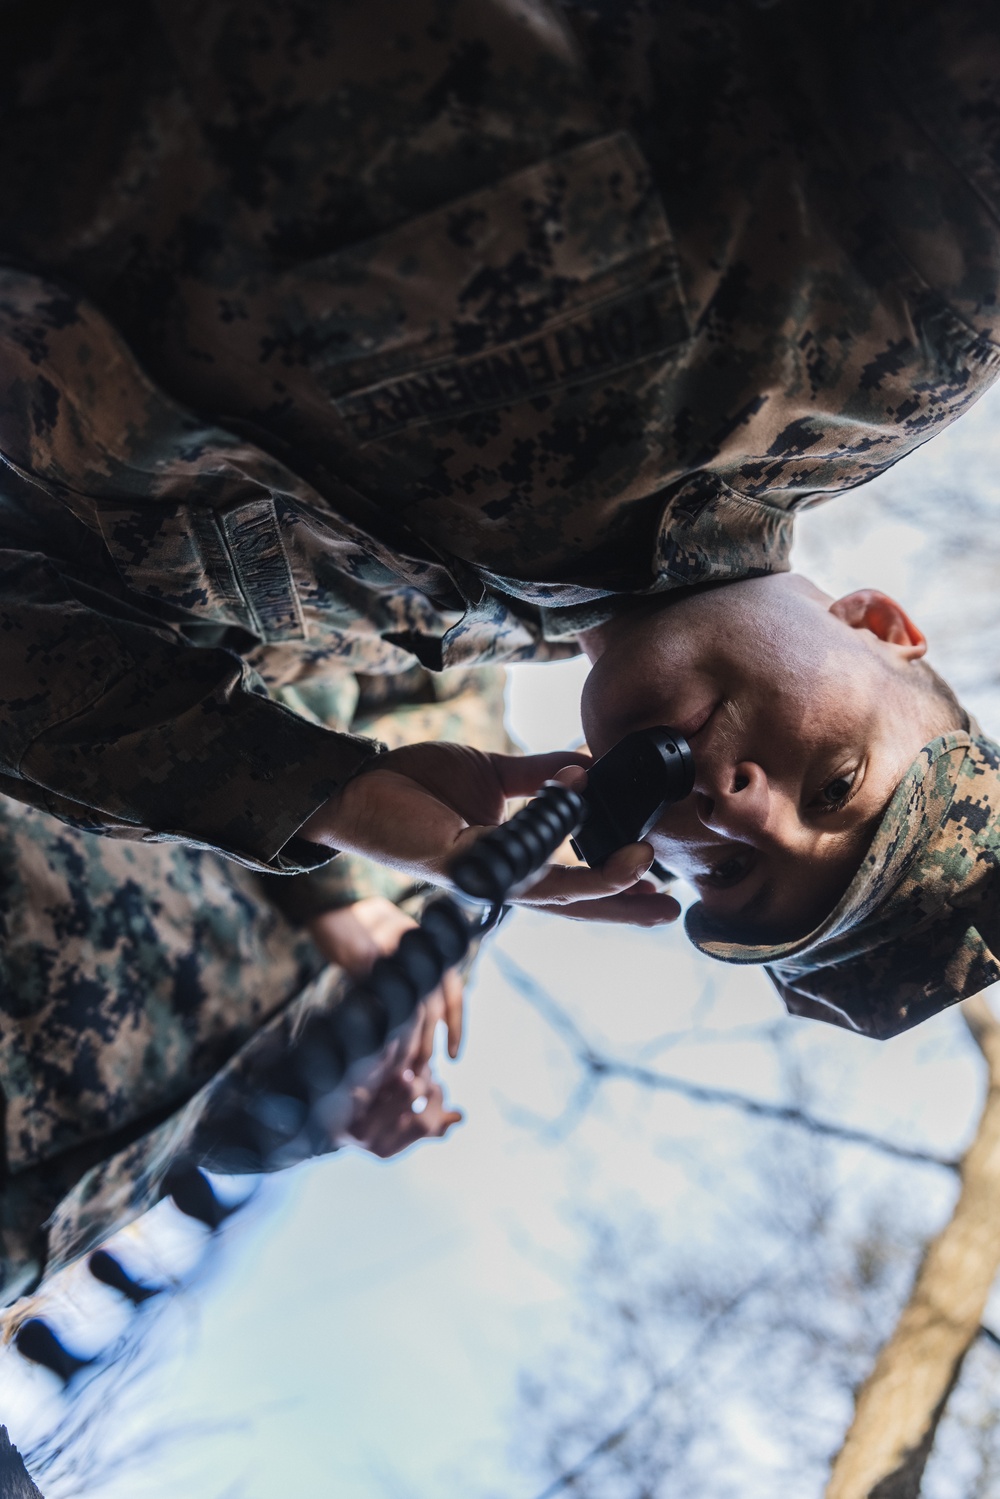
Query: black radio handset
{"type": "Point", "coordinates": [630, 788]}
{"type": "Point", "coordinates": [627, 791]}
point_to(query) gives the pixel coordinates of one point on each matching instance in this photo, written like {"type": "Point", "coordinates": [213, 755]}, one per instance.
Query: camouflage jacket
{"type": "Point", "coordinates": [346, 335]}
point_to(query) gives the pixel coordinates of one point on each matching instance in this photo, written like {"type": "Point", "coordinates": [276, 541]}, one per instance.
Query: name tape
{"type": "Point", "coordinates": [610, 337]}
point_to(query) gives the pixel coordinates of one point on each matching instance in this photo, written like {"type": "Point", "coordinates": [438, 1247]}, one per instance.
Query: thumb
{"type": "Point", "coordinates": [574, 777]}
{"type": "Point", "coordinates": [522, 775]}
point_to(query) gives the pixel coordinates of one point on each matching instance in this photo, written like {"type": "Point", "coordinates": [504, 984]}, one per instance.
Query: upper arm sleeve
{"type": "Point", "coordinates": [109, 716]}
{"type": "Point", "coordinates": [466, 706]}
{"type": "Point", "coordinates": [127, 729]}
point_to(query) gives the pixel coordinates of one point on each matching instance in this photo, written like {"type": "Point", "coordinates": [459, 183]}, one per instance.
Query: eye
{"type": "Point", "coordinates": [729, 871]}
{"type": "Point", "coordinates": [836, 792]}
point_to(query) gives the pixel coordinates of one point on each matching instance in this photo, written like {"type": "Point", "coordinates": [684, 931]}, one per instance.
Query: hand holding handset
{"type": "Point", "coordinates": [627, 792]}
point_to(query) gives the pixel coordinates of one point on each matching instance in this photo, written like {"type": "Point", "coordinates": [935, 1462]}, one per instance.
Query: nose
{"type": "Point", "coordinates": [735, 801]}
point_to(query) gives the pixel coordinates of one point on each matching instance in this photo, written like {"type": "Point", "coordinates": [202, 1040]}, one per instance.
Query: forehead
{"type": "Point", "coordinates": [766, 629]}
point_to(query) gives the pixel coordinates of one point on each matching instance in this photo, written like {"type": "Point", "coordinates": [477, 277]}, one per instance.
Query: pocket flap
{"type": "Point", "coordinates": [507, 265]}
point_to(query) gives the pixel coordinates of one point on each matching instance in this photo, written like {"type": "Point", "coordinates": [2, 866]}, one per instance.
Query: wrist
{"type": "Point", "coordinates": [320, 827]}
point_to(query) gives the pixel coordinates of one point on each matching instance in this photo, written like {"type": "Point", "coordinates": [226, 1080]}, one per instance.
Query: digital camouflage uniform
{"type": "Point", "coordinates": [346, 337]}
{"type": "Point", "coordinates": [138, 978]}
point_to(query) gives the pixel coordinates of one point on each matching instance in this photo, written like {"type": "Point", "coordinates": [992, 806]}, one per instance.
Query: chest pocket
{"type": "Point", "coordinates": [224, 567]}
{"type": "Point", "coordinates": [561, 273]}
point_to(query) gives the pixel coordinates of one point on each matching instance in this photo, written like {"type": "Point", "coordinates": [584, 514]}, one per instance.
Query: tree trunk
{"type": "Point", "coordinates": [15, 1482]}
{"type": "Point", "coordinates": [901, 1402]}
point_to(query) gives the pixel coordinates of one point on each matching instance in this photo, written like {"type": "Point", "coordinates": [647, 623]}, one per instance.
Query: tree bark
{"type": "Point", "coordinates": [898, 1407]}
{"type": "Point", "coordinates": [15, 1481]}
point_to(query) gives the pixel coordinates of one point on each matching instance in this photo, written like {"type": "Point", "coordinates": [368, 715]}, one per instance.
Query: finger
{"type": "Point", "coordinates": [562, 883]}
{"type": "Point", "coordinates": [422, 1083]}
{"type": "Point", "coordinates": [395, 1137]}
{"type": "Point", "coordinates": [344, 940]}
{"type": "Point", "coordinates": [521, 775]}
{"type": "Point", "coordinates": [444, 1122]}
{"type": "Point", "coordinates": [453, 991]}
{"type": "Point", "coordinates": [573, 776]}
{"type": "Point", "coordinates": [433, 1008]}
{"type": "Point", "coordinates": [433, 1116]}
{"type": "Point", "coordinates": [628, 908]}
{"type": "Point", "coordinates": [394, 1092]}
{"type": "Point", "coordinates": [385, 922]}
{"type": "Point", "coordinates": [393, 1125]}
{"type": "Point", "coordinates": [408, 1041]}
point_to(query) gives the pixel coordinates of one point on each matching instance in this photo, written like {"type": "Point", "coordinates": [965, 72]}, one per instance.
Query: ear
{"type": "Point", "coordinates": [868, 609]}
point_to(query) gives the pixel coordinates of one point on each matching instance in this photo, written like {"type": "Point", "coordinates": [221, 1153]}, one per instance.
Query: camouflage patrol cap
{"type": "Point", "coordinates": [919, 926]}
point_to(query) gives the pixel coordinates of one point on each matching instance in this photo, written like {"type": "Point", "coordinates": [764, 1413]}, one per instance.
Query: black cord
{"type": "Point", "coordinates": [250, 1129]}
{"type": "Point", "coordinates": [504, 858]}
{"type": "Point", "coordinates": [283, 1105]}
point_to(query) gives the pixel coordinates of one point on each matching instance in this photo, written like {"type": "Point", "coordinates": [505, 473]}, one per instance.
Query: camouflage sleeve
{"type": "Point", "coordinates": [466, 706]}
{"type": "Point", "coordinates": [110, 718]}
{"type": "Point", "coordinates": [119, 728]}
{"type": "Point", "coordinates": [123, 1185]}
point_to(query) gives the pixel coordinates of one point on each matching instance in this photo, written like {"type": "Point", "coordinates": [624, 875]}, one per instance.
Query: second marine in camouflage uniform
{"type": "Point", "coordinates": [136, 976]}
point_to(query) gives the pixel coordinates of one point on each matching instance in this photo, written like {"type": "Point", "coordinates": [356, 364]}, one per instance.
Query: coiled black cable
{"type": "Point", "coordinates": [284, 1108]}
{"type": "Point", "coordinates": [281, 1110]}
{"type": "Point", "coordinates": [503, 858]}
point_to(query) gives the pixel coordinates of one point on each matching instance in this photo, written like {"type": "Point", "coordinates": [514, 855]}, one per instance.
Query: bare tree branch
{"type": "Point", "coordinates": [600, 1067]}
{"type": "Point", "coordinates": [899, 1406]}
{"type": "Point", "coordinates": [615, 1437]}
{"type": "Point", "coordinates": [989, 1336]}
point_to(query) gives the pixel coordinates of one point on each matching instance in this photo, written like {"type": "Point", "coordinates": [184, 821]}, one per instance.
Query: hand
{"type": "Point", "coordinates": [373, 1105]}
{"type": "Point", "coordinates": [354, 936]}
{"type": "Point", "coordinates": [417, 807]}
{"type": "Point", "coordinates": [384, 1120]}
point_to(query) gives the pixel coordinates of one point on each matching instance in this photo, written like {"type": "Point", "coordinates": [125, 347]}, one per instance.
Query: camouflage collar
{"type": "Point", "coordinates": [917, 928]}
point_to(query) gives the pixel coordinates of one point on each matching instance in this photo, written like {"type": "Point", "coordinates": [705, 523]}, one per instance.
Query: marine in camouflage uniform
{"type": "Point", "coordinates": [360, 335]}
{"type": "Point", "coordinates": [382, 333]}
{"type": "Point", "coordinates": [138, 979]}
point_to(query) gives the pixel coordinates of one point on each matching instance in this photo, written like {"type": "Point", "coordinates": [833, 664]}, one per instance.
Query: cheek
{"type": "Point", "coordinates": [844, 700]}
